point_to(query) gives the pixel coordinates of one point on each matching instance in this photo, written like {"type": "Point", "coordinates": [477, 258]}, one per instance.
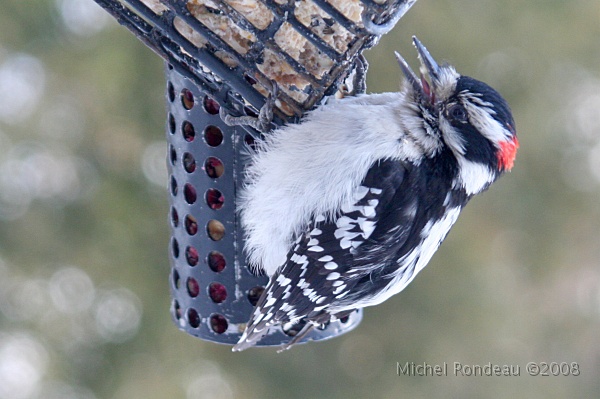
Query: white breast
{"type": "Point", "coordinates": [313, 168]}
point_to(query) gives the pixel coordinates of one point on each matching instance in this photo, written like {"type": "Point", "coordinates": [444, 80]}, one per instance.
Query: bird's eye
{"type": "Point", "coordinates": [457, 112]}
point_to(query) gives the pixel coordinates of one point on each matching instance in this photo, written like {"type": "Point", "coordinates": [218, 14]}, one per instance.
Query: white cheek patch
{"type": "Point", "coordinates": [474, 177]}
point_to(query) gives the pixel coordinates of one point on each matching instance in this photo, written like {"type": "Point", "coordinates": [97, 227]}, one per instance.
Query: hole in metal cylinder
{"type": "Point", "coordinates": [187, 99]}
{"type": "Point", "coordinates": [218, 323]}
{"type": "Point", "coordinates": [216, 261]}
{"type": "Point", "coordinates": [176, 279]}
{"type": "Point", "coordinates": [250, 141]}
{"type": "Point", "coordinates": [173, 186]}
{"type": "Point", "coordinates": [191, 256]}
{"type": "Point", "coordinates": [214, 167]}
{"type": "Point", "coordinates": [214, 199]}
{"type": "Point", "coordinates": [211, 106]}
{"type": "Point", "coordinates": [215, 230]}
{"type": "Point", "coordinates": [173, 155]}
{"type": "Point", "coordinates": [213, 136]}
{"type": "Point", "coordinates": [254, 294]}
{"type": "Point", "coordinates": [191, 225]}
{"type": "Point", "coordinates": [193, 287]}
{"type": "Point", "coordinates": [189, 133]}
{"type": "Point", "coordinates": [171, 91]}
{"type": "Point", "coordinates": [193, 317]}
{"type": "Point", "coordinates": [174, 217]}
{"type": "Point", "coordinates": [175, 247]}
{"type": "Point", "coordinates": [177, 310]}
{"type": "Point", "coordinates": [172, 124]}
{"type": "Point", "coordinates": [189, 193]}
{"type": "Point", "coordinates": [217, 292]}
{"type": "Point", "coordinates": [189, 163]}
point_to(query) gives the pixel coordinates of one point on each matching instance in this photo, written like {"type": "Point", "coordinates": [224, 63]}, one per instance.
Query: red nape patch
{"type": "Point", "coordinates": [507, 153]}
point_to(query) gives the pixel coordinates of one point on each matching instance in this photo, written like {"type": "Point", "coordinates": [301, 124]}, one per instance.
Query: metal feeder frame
{"type": "Point", "coordinates": [213, 290]}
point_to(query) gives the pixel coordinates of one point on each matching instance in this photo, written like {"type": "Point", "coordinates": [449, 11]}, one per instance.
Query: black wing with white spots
{"type": "Point", "coordinates": [320, 269]}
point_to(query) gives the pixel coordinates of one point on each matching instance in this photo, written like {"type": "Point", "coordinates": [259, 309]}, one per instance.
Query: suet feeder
{"type": "Point", "coordinates": [226, 54]}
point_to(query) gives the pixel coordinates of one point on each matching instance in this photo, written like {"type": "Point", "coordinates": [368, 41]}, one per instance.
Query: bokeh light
{"type": "Point", "coordinates": [81, 17]}
{"type": "Point", "coordinates": [154, 164]}
{"type": "Point", "coordinates": [118, 315]}
{"type": "Point", "coordinates": [71, 290]}
{"type": "Point", "coordinates": [23, 363]}
{"type": "Point", "coordinates": [22, 84]}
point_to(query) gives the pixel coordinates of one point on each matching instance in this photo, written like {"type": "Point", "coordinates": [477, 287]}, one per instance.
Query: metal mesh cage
{"type": "Point", "coordinates": [225, 53]}
{"type": "Point", "coordinates": [307, 47]}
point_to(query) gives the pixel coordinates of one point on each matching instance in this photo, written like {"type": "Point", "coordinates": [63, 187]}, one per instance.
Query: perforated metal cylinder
{"type": "Point", "coordinates": [213, 290]}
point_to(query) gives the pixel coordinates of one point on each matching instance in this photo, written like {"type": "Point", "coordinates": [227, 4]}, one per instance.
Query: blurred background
{"type": "Point", "coordinates": [84, 297]}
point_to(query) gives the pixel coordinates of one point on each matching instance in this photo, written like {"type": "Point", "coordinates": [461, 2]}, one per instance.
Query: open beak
{"type": "Point", "coordinates": [429, 69]}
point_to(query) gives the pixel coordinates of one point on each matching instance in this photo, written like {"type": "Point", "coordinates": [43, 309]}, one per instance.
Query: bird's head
{"type": "Point", "coordinates": [465, 115]}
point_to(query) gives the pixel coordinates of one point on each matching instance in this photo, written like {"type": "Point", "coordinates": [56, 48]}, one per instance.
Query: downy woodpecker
{"type": "Point", "coordinates": [345, 208]}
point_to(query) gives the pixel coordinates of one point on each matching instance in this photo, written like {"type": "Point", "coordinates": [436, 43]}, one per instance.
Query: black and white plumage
{"type": "Point", "coordinates": [344, 209]}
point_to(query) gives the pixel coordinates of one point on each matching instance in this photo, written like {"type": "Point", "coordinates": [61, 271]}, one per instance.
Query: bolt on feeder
{"type": "Point", "coordinates": [225, 54]}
